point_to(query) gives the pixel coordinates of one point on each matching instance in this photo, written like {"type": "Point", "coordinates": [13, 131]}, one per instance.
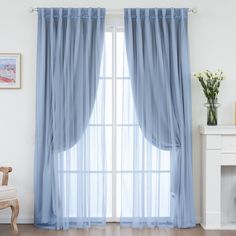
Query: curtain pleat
{"type": "Point", "coordinates": [157, 51]}
{"type": "Point", "coordinates": [70, 43]}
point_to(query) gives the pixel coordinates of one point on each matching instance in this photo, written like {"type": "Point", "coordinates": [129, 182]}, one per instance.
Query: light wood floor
{"type": "Point", "coordinates": [113, 229]}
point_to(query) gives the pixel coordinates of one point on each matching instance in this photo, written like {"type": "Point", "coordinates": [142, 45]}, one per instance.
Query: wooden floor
{"type": "Point", "coordinates": [113, 229]}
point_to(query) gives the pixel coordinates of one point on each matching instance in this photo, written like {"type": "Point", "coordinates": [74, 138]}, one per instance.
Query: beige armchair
{"type": "Point", "coordinates": [8, 197]}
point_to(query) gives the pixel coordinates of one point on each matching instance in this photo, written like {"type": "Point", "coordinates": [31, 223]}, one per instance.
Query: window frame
{"type": "Point", "coordinates": [114, 172]}
{"type": "Point", "coordinates": [114, 30]}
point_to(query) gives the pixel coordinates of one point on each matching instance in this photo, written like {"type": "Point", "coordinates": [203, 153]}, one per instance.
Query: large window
{"type": "Point", "coordinates": [115, 92]}
{"type": "Point", "coordinates": [113, 157]}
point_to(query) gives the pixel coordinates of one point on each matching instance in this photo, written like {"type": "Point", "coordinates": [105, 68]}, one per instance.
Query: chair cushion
{"type": "Point", "coordinates": [7, 193]}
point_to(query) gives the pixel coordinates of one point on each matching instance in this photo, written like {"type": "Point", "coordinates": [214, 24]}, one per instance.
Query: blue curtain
{"type": "Point", "coordinates": [158, 58]}
{"type": "Point", "coordinates": [70, 45]}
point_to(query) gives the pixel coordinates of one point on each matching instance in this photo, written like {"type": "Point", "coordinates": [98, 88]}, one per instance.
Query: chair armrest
{"type": "Point", "coordinates": [5, 171]}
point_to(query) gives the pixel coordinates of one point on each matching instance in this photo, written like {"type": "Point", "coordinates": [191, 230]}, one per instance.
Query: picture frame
{"type": "Point", "coordinates": [10, 70]}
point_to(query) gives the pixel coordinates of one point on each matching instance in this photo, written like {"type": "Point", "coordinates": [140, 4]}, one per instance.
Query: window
{"type": "Point", "coordinates": [113, 157]}
{"type": "Point", "coordinates": [119, 123]}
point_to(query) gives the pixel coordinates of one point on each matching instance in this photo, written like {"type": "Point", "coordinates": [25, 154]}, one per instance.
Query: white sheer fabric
{"type": "Point", "coordinates": [144, 169]}
{"type": "Point", "coordinates": [82, 170]}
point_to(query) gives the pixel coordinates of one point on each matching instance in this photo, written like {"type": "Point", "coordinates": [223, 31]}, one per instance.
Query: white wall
{"type": "Point", "coordinates": [212, 33]}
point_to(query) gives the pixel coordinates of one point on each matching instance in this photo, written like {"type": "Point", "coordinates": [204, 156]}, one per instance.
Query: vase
{"type": "Point", "coordinates": [212, 107]}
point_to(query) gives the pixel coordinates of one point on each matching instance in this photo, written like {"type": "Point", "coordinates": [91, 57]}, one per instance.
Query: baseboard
{"type": "Point", "coordinates": [30, 220]}
{"type": "Point", "coordinates": [20, 220]}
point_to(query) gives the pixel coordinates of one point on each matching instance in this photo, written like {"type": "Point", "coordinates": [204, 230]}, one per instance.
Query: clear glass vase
{"type": "Point", "coordinates": [212, 109]}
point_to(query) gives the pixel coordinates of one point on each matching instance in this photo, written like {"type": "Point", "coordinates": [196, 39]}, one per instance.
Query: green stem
{"type": "Point", "coordinates": [212, 116]}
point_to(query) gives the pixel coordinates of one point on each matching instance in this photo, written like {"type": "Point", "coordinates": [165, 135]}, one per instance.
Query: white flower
{"type": "Point", "coordinates": [208, 75]}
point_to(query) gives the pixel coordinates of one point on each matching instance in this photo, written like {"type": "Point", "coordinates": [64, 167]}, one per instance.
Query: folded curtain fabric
{"type": "Point", "coordinates": [158, 58]}
{"type": "Point", "coordinates": [69, 53]}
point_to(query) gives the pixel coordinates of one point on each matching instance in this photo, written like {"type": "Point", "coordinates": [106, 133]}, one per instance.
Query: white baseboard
{"type": "Point", "coordinates": [30, 220]}
{"type": "Point", "coordinates": [21, 220]}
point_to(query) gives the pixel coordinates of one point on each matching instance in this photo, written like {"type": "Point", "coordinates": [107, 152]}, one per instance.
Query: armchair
{"type": "Point", "coordinates": [8, 197]}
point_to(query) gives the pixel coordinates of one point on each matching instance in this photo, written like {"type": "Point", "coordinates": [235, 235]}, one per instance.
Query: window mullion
{"type": "Point", "coordinates": [114, 190]}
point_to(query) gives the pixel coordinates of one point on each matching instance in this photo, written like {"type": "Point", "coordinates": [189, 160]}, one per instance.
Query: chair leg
{"type": "Point", "coordinates": [15, 212]}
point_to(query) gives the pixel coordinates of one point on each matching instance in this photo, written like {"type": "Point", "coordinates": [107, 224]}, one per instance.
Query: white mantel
{"type": "Point", "coordinates": [218, 150]}
{"type": "Point", "coordinates": [219, 129]}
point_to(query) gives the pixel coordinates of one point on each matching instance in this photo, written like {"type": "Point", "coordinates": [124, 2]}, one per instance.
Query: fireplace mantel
{"type": "Point", "coordinates": [218, 150]}
{"type": "Point", "coordinates": [219, 129]}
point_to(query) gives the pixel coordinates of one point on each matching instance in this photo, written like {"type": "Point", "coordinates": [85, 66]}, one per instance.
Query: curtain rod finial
{"type": "Point", "coordinates": [193, 10]}
{"type": "Point", "coordinates": [31, 9]}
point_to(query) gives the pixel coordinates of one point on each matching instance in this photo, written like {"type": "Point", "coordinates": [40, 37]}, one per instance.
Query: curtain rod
{"type": "Point", "coordinates": [118, 11]}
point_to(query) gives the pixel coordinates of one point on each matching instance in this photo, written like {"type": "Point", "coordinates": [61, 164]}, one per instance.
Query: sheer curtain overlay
{"type": "Point", "coordinates": [96, 126]}
{"type": "Point", "coordinates": [68, 172]}
{"type": "Point", "coordinates": [161, 166]}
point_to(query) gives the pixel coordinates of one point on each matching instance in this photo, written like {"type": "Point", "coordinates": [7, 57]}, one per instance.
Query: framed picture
{"type": "Point", "coordinates": [10, 71]}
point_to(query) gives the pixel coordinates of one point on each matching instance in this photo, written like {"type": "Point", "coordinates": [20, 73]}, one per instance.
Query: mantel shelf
{"type": "Point", "coordinates": [219, 129]}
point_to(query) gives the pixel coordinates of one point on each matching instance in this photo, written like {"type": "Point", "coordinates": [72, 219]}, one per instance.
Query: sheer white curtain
{"type": "Point", "coordinates": [82, 170]}
{"type": "Point", "coordinates": [144, 169]}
